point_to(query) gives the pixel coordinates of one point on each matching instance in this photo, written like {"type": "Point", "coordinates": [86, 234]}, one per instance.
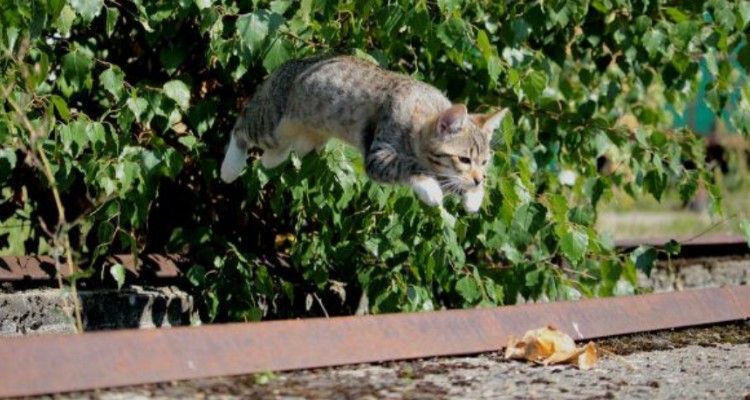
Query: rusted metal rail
{"type": "Point", "coordinates": [51, 364]}
{"type": "Point", "coordinates": [702, 246]}
{"type": "Point", "coordinates": [42, 268]}
{"type": "Point", "coordinates": [161, 266]}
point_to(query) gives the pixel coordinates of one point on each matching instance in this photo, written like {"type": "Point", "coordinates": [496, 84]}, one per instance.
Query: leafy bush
{"type": "Point", "coordinates": [115, 115]}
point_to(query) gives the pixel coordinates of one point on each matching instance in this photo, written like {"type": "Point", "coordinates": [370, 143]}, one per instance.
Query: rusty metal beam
{"type": "Point", "coordinates": [51, 364]}
{"type": "Point", "coordinates": [685, 241]}
{"type": "Point", "coordinates": [702, 246]}
{"type": "Point", "coordinates": [160, 266]}
{"type": "Point", "coordinates": [42, 268]}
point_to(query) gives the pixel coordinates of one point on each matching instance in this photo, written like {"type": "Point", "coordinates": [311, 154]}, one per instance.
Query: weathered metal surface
{"type": "Point", "coordinates": [159, 266]}
{"type": "Point", "coordinates": [42, 268]}
{"type": "Point", "coordinates": [702, 246]}
{"type": "Point", "coordinates": [685, 241]}
{"type": "Point", "coordinates": [50, 364]}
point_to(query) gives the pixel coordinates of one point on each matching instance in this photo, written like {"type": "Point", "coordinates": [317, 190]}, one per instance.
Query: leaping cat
{"type": "Point", "coordinates": [407, 130]}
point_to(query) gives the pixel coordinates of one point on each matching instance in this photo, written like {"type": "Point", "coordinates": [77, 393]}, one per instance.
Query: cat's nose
{"type": "Point", "coordinates": [477, 178]}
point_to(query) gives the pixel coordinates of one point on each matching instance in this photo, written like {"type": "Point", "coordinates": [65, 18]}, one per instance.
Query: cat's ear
{"type": "Point", "coordinates": [452, 120]}
{"type": "Point", "coordinates": [491, 121]}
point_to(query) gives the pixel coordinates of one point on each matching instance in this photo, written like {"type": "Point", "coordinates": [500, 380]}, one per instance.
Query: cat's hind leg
{"type": "Point", "coordinates": [272, 158]}
{"type": "Point", "coordinates": [291, 135]}
{"type": "Point", "coordinates": [303, 145]}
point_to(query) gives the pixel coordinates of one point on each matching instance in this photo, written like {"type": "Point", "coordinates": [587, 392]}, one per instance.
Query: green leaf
{"type": "Point", "coordinates": [673, 247]}
{"type": "Point", "coordinates": [61, 106]}
{"type": "Point", "coordinates": [745, 228]}
{"type": "Point", "coordinates": [126, 172]}
{"type": "Point", "coordinates": [655, 183]}
{"type": "Point", "coordinates": [521, 30]}
{"type": "Point", "coordinates": [280, 6]}
{"type": "Point", "coordinates": [726, 18]}
{"type": "Point", "coordinates": [276, 55]}
{"type": "Point", "coordinates": [714, 193]}
{"type": "Point", "coordinates": [65, 20]}
{"type": "Point", "coordinates": [117, 271]}
{"type": "Point", "coordinates": [468, 289]}
{"type": "Point", "coordinates": [573, 244]}
{"type": "Point", "coordinates": [8, 161]}
{"type": "Point", "coordinates": [203, 4]}
{"type": "Point", "coordinates": [179, 92]}
{"type": "Point", "coordinates": [112, 80]}
{"type": "Point", "coordinates": [76, 68]}
{"type": "Point", "coordinates": [172, 57]}
{"type": "Point", "coordinates": [112, 15]}
{"type": "Point", "coordinates": [452, 33]}
{"type": "Point", "coordinates": [73, 137]}
{"type": "Point", "coordinates": [533, 85]}
{"type": "Point", "coordinates": [95, 133]}
{"type": "Point", "coordinates": [253, 28]}
{"type": "Point", "coordinates": [653, 41]}
{"type": "Point", "coordinates": [138, 106]}
{"type": "Point", "coordinates": [494, 69]}
{"type": "Point", "coordinates": [644, 257]}
{"type": "Point", "coordinates": [188, 141]}
{"type": "Point", "coordinates": [743, 56]}
{"type": "Point", "coordinates": [558, 205]}
{"type": "Point", "coordinates": [88, 9]}
{"type": "Point", "coordinates": [483, 44]}
{"type": "Point", "coordinates": [675, 14]}
{"type": "Point", "coordinates": [196, 275]}
{"type": "Point", "coordinates": [448, 6]}
{"type": "Point", "coordinates": [688, 188]}
{"type": "Point", "coordinates": [743, 9]}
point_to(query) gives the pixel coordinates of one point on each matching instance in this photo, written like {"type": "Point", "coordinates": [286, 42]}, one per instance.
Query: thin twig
{"type": "Point", "coordinates": [711, 227]}
{"type": "Point", "coordinates": [320, 303]}
{"type": "Point", "coordinates": [61, 230]}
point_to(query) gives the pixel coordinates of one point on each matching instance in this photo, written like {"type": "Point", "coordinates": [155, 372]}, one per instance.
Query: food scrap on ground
{"type": "Point", "coordinates": [548, 346]}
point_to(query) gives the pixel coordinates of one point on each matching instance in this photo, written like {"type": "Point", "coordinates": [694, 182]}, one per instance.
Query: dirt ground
{"type": "Point", "coordinates": [709, 362]}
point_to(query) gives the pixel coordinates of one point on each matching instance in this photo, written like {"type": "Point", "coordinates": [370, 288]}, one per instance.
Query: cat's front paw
{"type": "Point", "coordinates": [472, 199]}
{"type": "Point", "coordinates": [428, 190]}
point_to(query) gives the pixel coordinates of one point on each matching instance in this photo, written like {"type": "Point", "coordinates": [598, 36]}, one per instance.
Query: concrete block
{"type": "Point", "coordinates": [40, 311]}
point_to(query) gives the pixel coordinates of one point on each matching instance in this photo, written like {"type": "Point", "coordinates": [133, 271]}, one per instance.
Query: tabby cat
{"type": "Point", "coordinates": [407, 130]}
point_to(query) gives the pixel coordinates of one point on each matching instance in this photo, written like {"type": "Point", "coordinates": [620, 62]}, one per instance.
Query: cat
{"type": "Point", "coordinates": [407, 130]}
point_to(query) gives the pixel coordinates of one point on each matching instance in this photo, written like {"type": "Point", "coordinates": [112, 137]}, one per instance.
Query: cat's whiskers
{"type": "Point", "coordinates": [449, 184]}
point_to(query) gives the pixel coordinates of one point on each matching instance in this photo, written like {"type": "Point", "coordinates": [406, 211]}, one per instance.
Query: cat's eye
{"type": "Point", "coordinates": [465, 160]}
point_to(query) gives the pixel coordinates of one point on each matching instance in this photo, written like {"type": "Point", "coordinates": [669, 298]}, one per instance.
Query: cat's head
{"type": "Point", "coordinates": [457, 147]}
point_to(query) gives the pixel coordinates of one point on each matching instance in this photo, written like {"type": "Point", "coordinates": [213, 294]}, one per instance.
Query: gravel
{"type": "Point", "coordinates": [695, 363]}
{"type": "Point", "coordinates": [697, 273]}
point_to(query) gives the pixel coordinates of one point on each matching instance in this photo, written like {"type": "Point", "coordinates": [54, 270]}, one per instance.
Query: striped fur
{"type": "Point", "coordinates": [408, 131]}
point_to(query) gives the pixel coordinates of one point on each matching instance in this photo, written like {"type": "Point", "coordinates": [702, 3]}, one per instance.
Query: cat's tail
{"type": "Point", "coordinates": [235, 157]}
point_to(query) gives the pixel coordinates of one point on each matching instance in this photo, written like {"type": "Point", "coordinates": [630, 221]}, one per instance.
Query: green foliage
{"type": "Point", "coordinates": [118, 273]}
{"type": "Point", "coordinates": [131, 102]}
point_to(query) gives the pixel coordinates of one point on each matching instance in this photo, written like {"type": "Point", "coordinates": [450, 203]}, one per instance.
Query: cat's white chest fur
{"type": "Point", "coordinates": [472, 199]}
